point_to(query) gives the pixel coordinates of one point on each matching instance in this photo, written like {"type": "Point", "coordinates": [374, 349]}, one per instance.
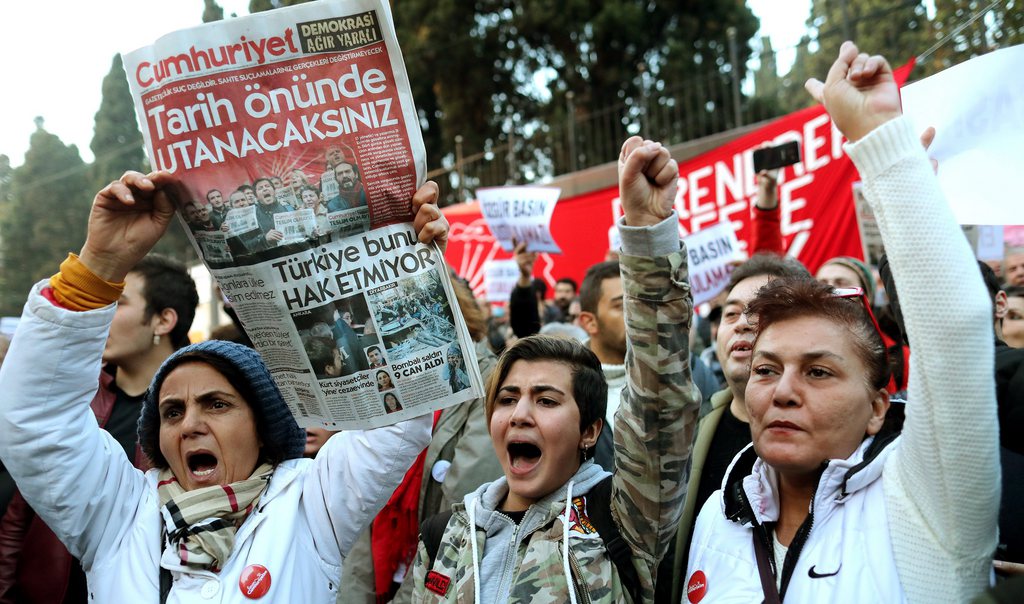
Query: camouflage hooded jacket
{"type": "Point", "coordinates": [653, 437]}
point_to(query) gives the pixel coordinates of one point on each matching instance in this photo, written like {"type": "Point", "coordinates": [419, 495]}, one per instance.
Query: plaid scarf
{"type": "Point", "coordinates": [201, 524]}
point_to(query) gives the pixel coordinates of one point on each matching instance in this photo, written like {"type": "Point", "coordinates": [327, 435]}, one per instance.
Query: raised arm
{"type": "Point", "coordinates": [655, 422]}
{"type": "Point", "coordinates": [74, 475]}
{"type": "Point", "coordinates": [944, 478]}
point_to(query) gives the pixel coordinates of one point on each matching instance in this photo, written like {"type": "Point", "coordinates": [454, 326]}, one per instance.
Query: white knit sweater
{"type": "Point", "coordinates": [942, 482]}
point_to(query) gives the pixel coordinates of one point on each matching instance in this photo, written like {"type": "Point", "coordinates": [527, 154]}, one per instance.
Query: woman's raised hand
{"type": "Point", "coordinates": [128, 217]}
{"type": "Point", "coordinates": [429, 222]}
{"type": "Point", "coordinates": [647, 182]}
{"type": "Point", "coordinates": [860, 92]}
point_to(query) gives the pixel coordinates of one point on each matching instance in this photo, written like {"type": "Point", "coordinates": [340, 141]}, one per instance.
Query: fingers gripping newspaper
{"type": "Point", "coordinates": [295, 135]}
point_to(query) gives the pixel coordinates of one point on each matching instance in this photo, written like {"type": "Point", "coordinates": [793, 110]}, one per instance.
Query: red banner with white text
{"type": "Point", "coordinates": [818, 221]}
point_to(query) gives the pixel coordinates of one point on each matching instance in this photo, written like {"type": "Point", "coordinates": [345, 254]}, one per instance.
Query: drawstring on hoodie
{"type": "Point", "coordinates": [472, 545]}
{"type": "Point", "coordinates": [565, 544]}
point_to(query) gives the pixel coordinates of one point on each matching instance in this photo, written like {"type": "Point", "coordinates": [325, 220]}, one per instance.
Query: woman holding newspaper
{"type": "Point", "coordinates": [231, 510]}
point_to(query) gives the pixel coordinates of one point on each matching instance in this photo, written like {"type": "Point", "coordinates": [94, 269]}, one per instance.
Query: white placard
{"type": "Point", "coordinates": [500, 278]}
{"type": "Point", "coordinates": [520, 213]}
{"type": "Point", "coordinates": [990, 242]}
{"type": "Point", "coordinates": [977, 108]}
{"type": "Point", "coordinates": [241, 220]}
{"type": "Point", "coordinates": [711, 254]}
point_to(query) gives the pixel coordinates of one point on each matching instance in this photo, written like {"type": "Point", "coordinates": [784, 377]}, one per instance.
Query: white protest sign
{"type": "Point", "coordinates": [214, 245]}
{"type": "Point", "coordinates": [614, 238]}
{"type": "Point", "coordinates": [500, 278]}
{"type": "Point", "coordinates": [711, 254]}
{"type": "Point", "coordinates": [990, 242]}
{"type": "Point", "coordinates": [295, 226]}
{"type": "Point", "coordinates": [241, 220]}
{"type": "Point", "coordinates": [977, 108]}
{"type": "Point", "coordinates": [520, 213]}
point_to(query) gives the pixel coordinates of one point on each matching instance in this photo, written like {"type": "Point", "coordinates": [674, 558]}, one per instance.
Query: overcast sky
{"type": "Point", "coordinates": [56, 54]}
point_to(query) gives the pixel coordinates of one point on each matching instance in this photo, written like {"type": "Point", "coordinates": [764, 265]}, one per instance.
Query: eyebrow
{"type": "Point", "coordinates": [811, 355]}
{"type": "Point", "coordinates": [204, 397]}
{"type": "Point", "coordinates": [539, 388]}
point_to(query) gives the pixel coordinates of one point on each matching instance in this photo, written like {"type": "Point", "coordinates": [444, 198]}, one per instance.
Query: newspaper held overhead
{"type": "Point", "coordinates": [295, 135]}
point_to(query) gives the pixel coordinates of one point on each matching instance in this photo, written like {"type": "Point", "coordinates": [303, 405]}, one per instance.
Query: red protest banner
{"type": "Point", "coordinates": [815, 199]}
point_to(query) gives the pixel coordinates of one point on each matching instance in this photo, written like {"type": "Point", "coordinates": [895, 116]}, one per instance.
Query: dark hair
{"type": "Point", "coordinates": [788, 298]}
{"type": "Point", "coordinates": [320, 352]}
{"type": "Point", "coordinates": [590, 291]}
{"type": "Point", "coordinates": [244, 188]}
{"type": "Point", "coordinates": [476, 322]}
{"type": "Point", "coordinates": [398, 403]}
{"type": "Point", "coordinates": [571, 282]}
{"type": "Point", "coordinates": [261, 179]}
{"type": "Point", "coordinates": [273, 450]}
{"type": "Point", "coordinates": [385, 372]}
{"type": "Point", "coordinates": [303, 188]}
{"type": "Point", "coordinates": [374, 347]}
{"type": "Point", "coordinates": [167, 284]}
{"type": "Point", "coordinates": [767, 264]}
{"type": "Point", "coordinates": [589, 387]}
{"type": "Point", "coordinates": [991, 280]}
{"type": "Point", "coordinates": [1014, 291]}
{"type": "Point", "coordinates": [213, 191]}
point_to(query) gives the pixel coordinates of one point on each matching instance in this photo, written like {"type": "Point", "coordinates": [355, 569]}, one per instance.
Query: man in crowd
{"type": "Point", "coordinates": [724, 430]}
{"type": "Point", "coordinates": [266, 209]}
{"type": "Point", "coordinates": [199, 217]}
{"type": "Point", "coordinates": [565, 293]}
{"type": "Point", "coordinates": [601, 317]}
{"type": "Point", "coordinates": [1013, 266]}
{"type": "Point", "coordinates": [153, 316]}
{"type": "Point", "coordinates": [350, 189]}
{"type": "Point", "coordinates": [218, 206]}
{"type": "Point", "coordinates": [527, 310]}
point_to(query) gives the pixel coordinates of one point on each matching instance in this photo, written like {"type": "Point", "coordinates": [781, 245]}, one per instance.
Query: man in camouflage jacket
{"type": "Point", "coordinates": [653, 437]}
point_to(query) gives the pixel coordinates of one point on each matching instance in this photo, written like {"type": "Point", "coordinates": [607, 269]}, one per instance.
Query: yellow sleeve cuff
{"type": "Point", "coordinates": [76, 287]}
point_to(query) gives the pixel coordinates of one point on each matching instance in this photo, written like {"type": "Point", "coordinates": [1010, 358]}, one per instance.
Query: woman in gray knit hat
{"type": "Point", "coordinates": [231, 511]}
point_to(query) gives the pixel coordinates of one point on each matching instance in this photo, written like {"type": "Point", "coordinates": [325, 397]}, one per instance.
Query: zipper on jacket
{"type": "Point", "coordinates": [793, 552]}
{"type": "Point", "coordinates": [578, 584]}
{"type": "Point", "coordinates": [510, 560]}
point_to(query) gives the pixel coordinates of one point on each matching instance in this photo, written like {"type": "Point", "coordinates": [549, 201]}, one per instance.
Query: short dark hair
{"type": "Point", "coordinates": [590, 291]}
{"type": "Point", "coordinates": [261, 179]}
{"type": "Point", "coordinates": [589, 387]}
{"type": "Point", "coordinates": [571, 282]}
{"type": "Point", "coordinates": [767, 264]}
{"type": "Point", "coordinates": [212, 191]}
{"type": "Point", "coordinates": [1015, 291]}
{"type": "Point", "coordinates": [787, 298]}
{"type": "Point", "coordinates": [991, 280]}
{"type": "Point", "coordinates": [167, 284]}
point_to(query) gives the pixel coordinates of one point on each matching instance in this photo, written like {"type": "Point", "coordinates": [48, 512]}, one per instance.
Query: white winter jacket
{"type": "Point", "coordinates": [77, 478]}
{"type": "Point", "coordinates": [846, 556]}
{"type": "Point", "coordinates": [924, 530]}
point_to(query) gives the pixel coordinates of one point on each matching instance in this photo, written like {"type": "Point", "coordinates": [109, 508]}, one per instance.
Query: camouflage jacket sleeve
{"type": "Point", "coordinates": [655, 422]}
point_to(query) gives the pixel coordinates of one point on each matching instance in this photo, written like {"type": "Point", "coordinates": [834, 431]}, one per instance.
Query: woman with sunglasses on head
{"type": "Point", "coordinates": [822, 507]}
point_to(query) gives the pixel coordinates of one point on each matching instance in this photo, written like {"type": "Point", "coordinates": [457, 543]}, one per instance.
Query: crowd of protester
{"type": "Point", "coordinates": [851, 435]}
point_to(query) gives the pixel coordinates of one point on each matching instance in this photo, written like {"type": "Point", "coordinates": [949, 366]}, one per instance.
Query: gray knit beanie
{"type": "Point", "coordinates": [282, 438]}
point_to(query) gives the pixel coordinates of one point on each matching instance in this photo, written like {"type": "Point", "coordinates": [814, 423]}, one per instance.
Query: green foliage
{"type": "Point", "coordinates": [212, 11]}
{"type": "Point", "coordinates": [117, 145]}
{"type": "Point", "coordinates": [116, 142]}
{"type": "Point", "coordinates": [499, 66]}
{"type": "Point", "coordinates": [1002, 27]}
{"type": "Point", "coordinates": [43, 219]}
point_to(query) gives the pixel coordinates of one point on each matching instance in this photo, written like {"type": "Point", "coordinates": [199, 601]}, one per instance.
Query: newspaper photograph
{"type": "Point", "coordinates": [295, 135]}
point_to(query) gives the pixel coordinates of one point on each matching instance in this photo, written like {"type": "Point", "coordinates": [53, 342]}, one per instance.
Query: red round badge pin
{"type": "Point", "coordinates": [697, 587]}
{"type": "Point", "coordinates": [255, 581]}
